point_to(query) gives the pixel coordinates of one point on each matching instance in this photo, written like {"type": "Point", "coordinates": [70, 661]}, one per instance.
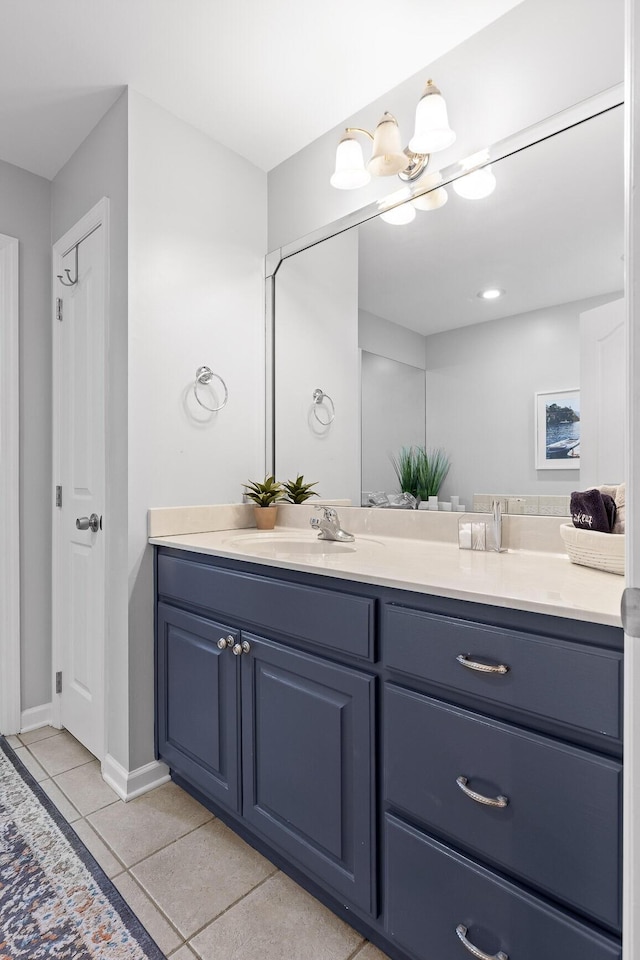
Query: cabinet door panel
{"type": "Point", "coordinates": [307, 763]}
{"type": "Point", "coordinates": [198, 703]}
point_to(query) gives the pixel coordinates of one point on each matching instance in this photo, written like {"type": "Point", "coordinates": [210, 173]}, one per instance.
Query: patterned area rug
{"type": "Point", "coordinates": [55, 901]}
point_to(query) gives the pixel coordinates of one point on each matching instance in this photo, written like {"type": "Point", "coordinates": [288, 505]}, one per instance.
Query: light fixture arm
{"type": "Point", "coordinates": [359, 130]}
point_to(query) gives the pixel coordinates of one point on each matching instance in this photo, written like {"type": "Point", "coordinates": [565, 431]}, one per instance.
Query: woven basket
{"type": "Point", "coordinates": [604, 551]}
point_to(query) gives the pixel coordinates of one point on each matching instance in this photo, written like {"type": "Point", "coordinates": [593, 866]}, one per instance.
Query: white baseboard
{"type": "Point", "coordinates": [131, 784]}
{"type": "Point", "coordinates": [35, 717]}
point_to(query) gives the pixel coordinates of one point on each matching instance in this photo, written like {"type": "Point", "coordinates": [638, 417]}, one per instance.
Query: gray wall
{"type": "Point", "coordinates": [99, 168]}
{"type": "Point", "coordinates": [392, 396]}
{"type": "Point", "coordinates": [387, 339]}
{"type": "Point", "coordinates": [481, 382]}
{"type": "Point", "coordinates": [539, 58]}
{"type": "Point", "coordinates": [393, 416]}
{"type": "Point", "coordinates": [25, 213]}
{"type": "Point", "coordinates": [317, 335]}
{"type": "Point", "coordinates": [197, 238]}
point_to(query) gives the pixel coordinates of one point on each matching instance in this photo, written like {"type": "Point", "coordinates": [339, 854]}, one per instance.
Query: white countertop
{"type": "Point", "coordinates": [542, 582]}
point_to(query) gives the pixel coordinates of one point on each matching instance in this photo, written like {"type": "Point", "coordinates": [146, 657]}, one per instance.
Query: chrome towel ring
{"type": "Point", "coordinates": [205, 375]}
{"type": "Point", "coordinates": [319, 397]}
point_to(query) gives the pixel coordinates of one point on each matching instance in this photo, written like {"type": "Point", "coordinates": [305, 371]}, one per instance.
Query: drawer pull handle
{"type": "Point", "coordinates": [463, 658]}
{"type": "Point", "coordinates": [480, 954]}
{"type": "Point", "coordinates": [479, 798]}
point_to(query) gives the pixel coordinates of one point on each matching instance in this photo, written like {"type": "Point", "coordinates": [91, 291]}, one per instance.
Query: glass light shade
{"type": "Point", "coordinates": [399, 216]}
{"type": "Point", "coordinates": [476, 185]}
{"type": "Point", "coordinates": [432, 130]}
{"type": "Point", "coordinates": [387, 155]}
{"type": "Point", "coordinates": [350, 170]}
{"type": "Point", "coordinates": [436, 198]}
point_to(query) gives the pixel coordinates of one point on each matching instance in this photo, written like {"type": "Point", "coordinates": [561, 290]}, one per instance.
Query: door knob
{"type": "Point", "coordinates": [89, 523]}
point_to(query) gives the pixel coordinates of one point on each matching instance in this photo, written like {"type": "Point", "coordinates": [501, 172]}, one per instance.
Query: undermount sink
{"type": "Point", "coordinates": [287, 546]}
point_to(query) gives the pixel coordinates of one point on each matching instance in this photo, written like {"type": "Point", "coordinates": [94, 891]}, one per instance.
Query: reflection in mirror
{"type": "Point", "coordinates": [389, 321]}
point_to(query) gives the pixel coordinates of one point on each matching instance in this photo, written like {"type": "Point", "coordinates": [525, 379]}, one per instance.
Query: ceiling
{"type": "Point", "coordinates": [262, 78]}
{"type": "Point", "coordinates": [552, 232]}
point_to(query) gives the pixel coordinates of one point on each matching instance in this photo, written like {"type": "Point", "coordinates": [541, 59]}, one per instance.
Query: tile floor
{"type": "Point", "coordinates": [199, 889]}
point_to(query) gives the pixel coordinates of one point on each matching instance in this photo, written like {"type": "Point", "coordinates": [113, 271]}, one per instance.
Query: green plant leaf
{"type": "Point", "coordinates": [264, 493]}
{"type": "Point", "coordinates": [421, 472]}
{"type": "Point", "coordinates": [298, 491]}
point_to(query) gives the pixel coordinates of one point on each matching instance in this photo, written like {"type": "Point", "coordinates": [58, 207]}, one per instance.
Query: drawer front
{"type": "Point", "coordinates": [560, 829]}
{"type": "Point", "coordinates": [577, 686]}
{"type": "Point", "coordinates": [431, 891]}
{"type": "Point", "coordinates": [331, 620]}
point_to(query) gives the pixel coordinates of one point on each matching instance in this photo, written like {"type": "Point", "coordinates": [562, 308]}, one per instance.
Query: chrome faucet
{"type": "Point", "coordinates": [329, 526]}
{"type": "Point", "coordinates": [496, 526]}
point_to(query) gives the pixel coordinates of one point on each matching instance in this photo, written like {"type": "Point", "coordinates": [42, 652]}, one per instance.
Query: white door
{"type": "Point", "coordinates": [79, 466]}
{"type": "Point", "coordinates": [603, 396]}
{"type": "Point", "coordinates": [9, 489]}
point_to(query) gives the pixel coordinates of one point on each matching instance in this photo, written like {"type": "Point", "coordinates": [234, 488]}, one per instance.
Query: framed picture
{"type": "Point", "coordinates": [558, 430]}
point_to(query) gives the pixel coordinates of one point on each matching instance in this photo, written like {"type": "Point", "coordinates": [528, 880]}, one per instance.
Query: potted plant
{"type": "Point", "coordinates": [298, 491]}
{"type": "Point", "coordinates": [421, 472]}
{"type": "Point", "coordinates": [264, 495]}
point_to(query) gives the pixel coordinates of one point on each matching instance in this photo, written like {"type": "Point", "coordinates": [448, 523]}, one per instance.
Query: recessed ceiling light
{"type": "Point", "coordinates": [492, 294]}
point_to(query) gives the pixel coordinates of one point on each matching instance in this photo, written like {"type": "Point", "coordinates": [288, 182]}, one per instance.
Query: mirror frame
{"type": "Point", "coordinates": [536, 133]}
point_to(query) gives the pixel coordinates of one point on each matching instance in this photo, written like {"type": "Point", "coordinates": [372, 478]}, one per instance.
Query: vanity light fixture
{"type": "Point", "coordinates": [492, 293]}
{"type": "Point", "coordinates": [435, 198]}
{"type": "Point", "coordinates": [394, 208]}
{"type": "Point", "coordinates": [432, 133]}
{"type": "Point", "coordinates": [399, 216]}
{"type": "Point", "coordinates": [480, 182]}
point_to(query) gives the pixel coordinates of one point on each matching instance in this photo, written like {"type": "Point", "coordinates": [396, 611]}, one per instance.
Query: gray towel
{"type": "Point", "coordinates": [592, 510]}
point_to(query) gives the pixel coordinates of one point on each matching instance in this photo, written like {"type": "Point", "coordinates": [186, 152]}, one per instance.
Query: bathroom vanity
{"type": "Point", "coordinates": [444, 773]}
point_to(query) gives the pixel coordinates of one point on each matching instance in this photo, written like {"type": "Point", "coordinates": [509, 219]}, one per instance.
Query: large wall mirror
{"type": "Point", "coordinates": [388, 322]}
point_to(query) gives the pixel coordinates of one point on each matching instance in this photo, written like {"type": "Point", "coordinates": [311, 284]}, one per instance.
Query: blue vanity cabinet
{"type": "Point", "coordinates": [338, 738]}
{"type": "Point", "coordinates": [308, 765]}
{"type": "Point", "coordinates": [197, 728]}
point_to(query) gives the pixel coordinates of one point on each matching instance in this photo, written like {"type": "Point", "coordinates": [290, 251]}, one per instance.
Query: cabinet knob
{"type": "Point", "coordinates": [225, 642]}
{"type": "Point", "coordinates": [473, 950]}
{"type": "Point", "coordinates": [241, 648]}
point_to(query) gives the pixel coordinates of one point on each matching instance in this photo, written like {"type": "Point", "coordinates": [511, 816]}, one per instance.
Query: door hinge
{"type": "Point", "coordinates": [58, 496]}
{"type": "Point", "coordinates": [59, 681]}
{"type": "Point", "coordinates": [59, 308]}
